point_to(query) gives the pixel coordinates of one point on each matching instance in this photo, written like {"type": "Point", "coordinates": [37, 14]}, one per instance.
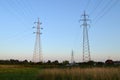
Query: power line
{"type": "Point", "coordinates": [87, 4]}
{"type": "Point", "coordinates": [106, 9]}
{"type": "Point", "coordinates": [22, 7]}
{"type": "Point", "coordinates": [15, 10]}
{"type": "Point", "coordinates": [27, 7]}
{"type": "Point", "coordinates": [99, 2]}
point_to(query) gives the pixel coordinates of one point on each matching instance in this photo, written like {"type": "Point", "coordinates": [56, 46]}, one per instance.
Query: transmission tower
{"type": "Point", "coordinates": [86, 47]}
{"type": "Point", "coordinates": [72, 57]}
{"type": "Point", "coordinates": [37, 55]}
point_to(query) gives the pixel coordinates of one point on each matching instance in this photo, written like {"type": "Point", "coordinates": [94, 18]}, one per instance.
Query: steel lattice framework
{"type": "Point", "coordinates": [72, 57]}
{"type": "Point", "coordinates": [86, 47]}
{"type": "Point", "coordinates": [37, 55]}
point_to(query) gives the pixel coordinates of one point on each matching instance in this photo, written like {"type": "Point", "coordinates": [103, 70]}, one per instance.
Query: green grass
{"type": "Point", "coordinates": [10, 72]}
{"type": "Point", "coordinates": [18, 72]}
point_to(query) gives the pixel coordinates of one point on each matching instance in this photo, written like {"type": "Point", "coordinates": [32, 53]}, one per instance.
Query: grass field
{"type": "Point", "coordinates": [16, 72]}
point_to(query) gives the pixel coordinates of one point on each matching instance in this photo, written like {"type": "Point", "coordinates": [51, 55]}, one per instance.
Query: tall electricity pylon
{"type": "Point", "coordinates": [37, 55]}
{"type": "Point", "coordinates": [86, 47]}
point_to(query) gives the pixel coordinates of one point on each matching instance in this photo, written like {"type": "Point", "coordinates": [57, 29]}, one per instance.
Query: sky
{"type": "Point", "coordinates": [62, 32]}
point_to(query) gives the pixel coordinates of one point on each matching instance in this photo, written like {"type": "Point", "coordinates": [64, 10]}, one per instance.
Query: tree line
{"type": "Point", "coordinates": [64, 63]}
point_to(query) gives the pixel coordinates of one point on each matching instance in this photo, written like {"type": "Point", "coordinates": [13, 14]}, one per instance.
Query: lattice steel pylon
{"type": "Point", "coordinates": [37, 55]}
{"type": "Point", "coordinates": [86, 47]}
{"type": "Point", "coordinates": [72, 57]}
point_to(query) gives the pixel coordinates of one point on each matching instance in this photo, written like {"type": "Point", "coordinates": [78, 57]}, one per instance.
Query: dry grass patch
{"type": "Point", "coordinates": [80, 74]}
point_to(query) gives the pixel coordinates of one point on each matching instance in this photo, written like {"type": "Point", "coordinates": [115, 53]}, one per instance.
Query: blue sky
{"type": "Point", "coordinates": [62, 31]}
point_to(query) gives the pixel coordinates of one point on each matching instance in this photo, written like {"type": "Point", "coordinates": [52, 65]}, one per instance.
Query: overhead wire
{"type": "Point", "coordinates": [16, 10]}
{"type": "Point", "coordinates": [110, 4]}
{"type": "Point", "coordinates": [103, 8]}
{"type": "Point", "coordinates": [26, 7]}
{"type": "Point", "coordinates": [102, 13]}
{"type": "Point", "coordinates": [87, 5]}
{"type": "Point", "coordinates": [29, 7]}
{"type": "Point", "coordinates": [22, 8]}
{"type": "Point", "coordinates": [96, 6]}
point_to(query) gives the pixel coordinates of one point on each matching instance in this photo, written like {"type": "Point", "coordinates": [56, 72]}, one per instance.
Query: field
{"type": "Point", "coordinates": [17, 72]}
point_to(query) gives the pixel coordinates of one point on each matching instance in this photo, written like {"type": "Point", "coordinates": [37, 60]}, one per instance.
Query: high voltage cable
{"type": "Point", "coordinates": [27, 7]}
{"type": "Point", "coordinates": [107, 10]}
{"type": "Point", "coordinates": [96, 6]}
{"type": "Point", "coordinates": [17, 5]}
{"type": "Point", "coordinates": [13, 8]}
{"type": "Point", "coordinates": [106, 5]}
{"type": "Point", "coordinates": [87, 4]}
{"type": "Point", "coordinates": [21, 5]}
{"type": "Point", "coordinates": [22, 8]}
{"type": "Point", "coordinates": [15, 11]}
